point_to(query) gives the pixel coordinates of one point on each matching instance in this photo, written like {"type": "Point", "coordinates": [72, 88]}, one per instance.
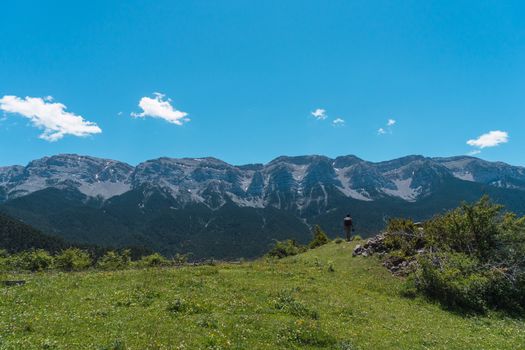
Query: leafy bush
{"type": "Point", "coordinates": [180, 259]}
{"type": "Point", "coordinates": [32, 260]}
{"type": "Point", "coordinates": [73, 259]}
{"type": "Point", "coordinates": [403, 235]}
{"type": "Point", "coordinates": [453, 279]}
{"type": "Point", "coordinates": [153, 260]}
{"type": "Point", "coordinates": [473, 258]}
{"type": "Point", "coordinates": [113, 260]}
{"type": "Point", "coordinates": [286, 248]}
{"type": "Point", "coordinates": [320, 238]}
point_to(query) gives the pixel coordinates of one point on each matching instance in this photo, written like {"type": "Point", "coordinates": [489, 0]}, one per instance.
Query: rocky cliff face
{"type": "Point", "coordinates": [288, 183]}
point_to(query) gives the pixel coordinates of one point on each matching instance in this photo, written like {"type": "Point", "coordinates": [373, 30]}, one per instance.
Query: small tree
{"type": "Point", "coordinates": [73, 259]}
{"type": "Point", "coordinates": [113, 260]}
{"type": "Point", "coordinates": [320, 238]}
{"type": "Point", "coordinates": [32, 260]}
{"type": "Point", "coordinates": [153, 260]}
{"type": "Point", "coordinates": [286, 248]}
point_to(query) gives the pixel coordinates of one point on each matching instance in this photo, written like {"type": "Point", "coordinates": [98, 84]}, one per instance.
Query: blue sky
{"type": "Point", "coordinates": [248, 76]}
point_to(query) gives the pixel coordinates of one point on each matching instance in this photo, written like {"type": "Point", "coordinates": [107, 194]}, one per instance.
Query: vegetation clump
{"type": "Point", "coordinates": [73, 259]}
{"type": "Point", "coordinates": [470, 258]}
{"type": "Point", "coordinates": [290, 247]}
{"type": "Point", "coordinates": [153, 260]}
{"type": "Point", "coordinates": [282, 249]}
{"type": "Point", "coordinates": [320, 238]}
{"type": "Point", "coordinates": [114, 260]}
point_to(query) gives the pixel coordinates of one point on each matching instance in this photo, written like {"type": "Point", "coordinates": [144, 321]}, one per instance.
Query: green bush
{"type": "Point", "coordinates": [73, 259]}
{"type": "Point", "coordinates": [286, 248]}
{"type": "Point", "coordinates": [404, 236]}
{"type": "Point", "coordinates": [31, 260]}
{"type": "Point", "coordinates": [320, 238]}
{"type": "Point", "coordinates": [473, 258]}
{"type": "Point", "coordinates": [454, 280]}
{"type": "Point", "coordinates": [113, 260]}
{"type": "Point", "coordinates": [153, 260]}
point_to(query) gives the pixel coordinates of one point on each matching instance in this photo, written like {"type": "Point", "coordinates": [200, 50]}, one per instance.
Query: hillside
{"type": "Point", "coordinates": [208, 207]}
{"type": "Point", "coordinates": [15, 236]}
{"type": "Point", "coordinates": [297, 302]}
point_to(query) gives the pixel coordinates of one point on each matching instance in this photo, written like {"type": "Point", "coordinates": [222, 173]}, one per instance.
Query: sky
{"type": "Point", "coordinates": [249, 81]}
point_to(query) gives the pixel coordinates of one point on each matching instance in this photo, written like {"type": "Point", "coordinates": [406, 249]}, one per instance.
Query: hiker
{"type": "Point", "coordinates": [348, 224]}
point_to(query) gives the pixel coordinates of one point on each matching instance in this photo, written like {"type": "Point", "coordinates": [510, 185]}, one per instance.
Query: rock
{"type": "Point", "coordinates": [358, 250]}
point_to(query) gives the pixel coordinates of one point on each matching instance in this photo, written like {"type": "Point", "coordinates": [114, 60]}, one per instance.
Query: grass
{"type": "Point", "coordinates": [322, 299]}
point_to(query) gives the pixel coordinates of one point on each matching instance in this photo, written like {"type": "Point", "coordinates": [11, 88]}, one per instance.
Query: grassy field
{"type": "Point", "coordinates": [321, 299]}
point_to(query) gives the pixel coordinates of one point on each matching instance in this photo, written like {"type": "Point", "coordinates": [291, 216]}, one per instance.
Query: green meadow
{"type": "Point", "coordinates": [321, 299]}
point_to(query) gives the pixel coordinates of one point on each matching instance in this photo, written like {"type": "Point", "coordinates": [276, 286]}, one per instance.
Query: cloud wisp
{"type": "Point", "coordinates": [49, 116]}
{"type": "Point", "coordinates": [319, 114]}
{"type": "Point", "coordinates": [338, 122]}
{"type": "Point", "coordinates": [158, 107]}
{"type": "Point", "coordinates": [387, 129]}
{"type": "Point", "coordinates": [491, 139]}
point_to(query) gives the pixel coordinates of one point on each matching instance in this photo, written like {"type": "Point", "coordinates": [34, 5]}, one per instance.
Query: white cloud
{"type": "Point", "coordinates": [158, 107]}
{"type": "Point", "coordinates": [490, 139]}
{"type": "Point", "coordinates": [338, 122]}
{"type": "Point", "coordinates": [474, 152]}
{"type": "Point", "coordinates": [388, 127]}
{"type": "Point", "coordinates": [49, 116]}
{"type": "Point", "coordinates": [320, 114]}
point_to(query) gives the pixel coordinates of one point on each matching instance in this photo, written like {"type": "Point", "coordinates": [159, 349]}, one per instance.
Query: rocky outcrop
{"type": "Point", "coordinates": [396, 264]}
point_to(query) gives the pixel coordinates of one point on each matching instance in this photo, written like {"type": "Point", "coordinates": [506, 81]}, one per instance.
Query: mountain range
{"type": "Point", "coordinates": [211, 208]}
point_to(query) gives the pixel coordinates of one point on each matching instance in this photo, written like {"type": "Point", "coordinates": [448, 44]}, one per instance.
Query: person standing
{"type": "Point", "coordinates": [348, 225]}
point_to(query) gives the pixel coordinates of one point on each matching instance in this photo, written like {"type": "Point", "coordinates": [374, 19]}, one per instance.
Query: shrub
{"type": "Point", "coordinates": [153, 260]}
{"type": "Point", "coordinates": [113, 260]}
{"type": "Point", "coordinates": [32, 260]}
{"type": "Point", "coordinates": [403, 235]}
{"type": "Point", "coordinates": [286, 248]}
{"type": "Point", "coordinates": [454, 280]}
{"type": "Point", "coordinates": [180, 259]}
{"type": "Point", "coordinates": [73, 259]}
{"type": "Point", "coordinates": [473, 258]}
{"type": "Point", "coordinates": [320, 238]}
